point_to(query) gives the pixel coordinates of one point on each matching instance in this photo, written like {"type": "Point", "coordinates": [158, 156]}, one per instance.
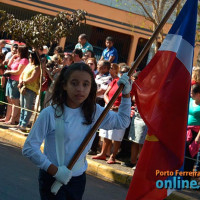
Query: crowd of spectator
{"type": "Point", "coordinates": [20, 77]}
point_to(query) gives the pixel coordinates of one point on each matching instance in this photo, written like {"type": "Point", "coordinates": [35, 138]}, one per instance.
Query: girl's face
{"type": "Point", "coordinates": [78, 88]}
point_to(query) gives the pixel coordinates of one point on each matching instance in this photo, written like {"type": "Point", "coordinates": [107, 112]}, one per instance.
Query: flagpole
{"type": "Point", "coordinates": [131, 71]}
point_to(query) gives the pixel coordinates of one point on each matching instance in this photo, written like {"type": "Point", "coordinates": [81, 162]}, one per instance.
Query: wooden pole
{"type": "Point", "coordinates": [131, 71]}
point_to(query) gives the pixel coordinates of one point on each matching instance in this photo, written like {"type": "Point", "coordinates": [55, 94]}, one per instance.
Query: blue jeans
{"type": "Point", "coordinates": [72, 191]}
{"type": "Point", "coordinates": [26, 101]}
{"type": "Point", "coordinates": [12, 90]}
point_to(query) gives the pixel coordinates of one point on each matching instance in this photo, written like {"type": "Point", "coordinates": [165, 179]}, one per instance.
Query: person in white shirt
{"type": "Point", "coordinates": [64, 125]}
{"type": "Point", "coordinates": [9, 55]}
{"type": "Point", "coordinates": [102, 79]}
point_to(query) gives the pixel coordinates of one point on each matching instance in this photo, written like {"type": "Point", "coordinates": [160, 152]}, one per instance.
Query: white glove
{"type": "Point", "coordinates": [125, 80]}
{"type": "Point", "coordinates": [63, 175]}
{"type": "Point", "coordinates": [55, 187]}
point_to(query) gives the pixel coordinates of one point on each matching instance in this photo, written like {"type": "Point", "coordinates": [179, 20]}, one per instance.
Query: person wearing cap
{"type": "Point", "coordinates": [83, 44]}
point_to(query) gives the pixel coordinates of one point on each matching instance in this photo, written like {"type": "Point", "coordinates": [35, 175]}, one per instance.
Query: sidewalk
{"type": "Point", "coordinates": [113, 173]}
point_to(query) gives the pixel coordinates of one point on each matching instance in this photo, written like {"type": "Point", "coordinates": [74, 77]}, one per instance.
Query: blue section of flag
{"type": "Point", "coordinates": [185, 24]}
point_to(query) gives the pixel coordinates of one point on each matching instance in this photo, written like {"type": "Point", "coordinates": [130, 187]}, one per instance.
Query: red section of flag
{"type": "Point", "coordinates": [162, 93]}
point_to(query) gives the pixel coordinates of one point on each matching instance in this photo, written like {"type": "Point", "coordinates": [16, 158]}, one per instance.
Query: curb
{"type": "Point", "coordinates": [108, 173]}
{"type": "Point", "coordinates": [13, 138]}
{"type": "Point", "coordinates": [99, 170]}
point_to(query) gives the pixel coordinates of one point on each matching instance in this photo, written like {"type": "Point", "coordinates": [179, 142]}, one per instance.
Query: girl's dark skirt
{"type": "Point", "coordinates": [72, 191]}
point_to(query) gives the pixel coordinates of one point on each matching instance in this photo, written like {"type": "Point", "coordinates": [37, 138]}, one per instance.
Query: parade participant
{"type": "Point", "coordinates": [110, 53]}
{"type": "Point", "coordinates": [72, 114]}
{"type": "Point", "coordinates": [83, 44]}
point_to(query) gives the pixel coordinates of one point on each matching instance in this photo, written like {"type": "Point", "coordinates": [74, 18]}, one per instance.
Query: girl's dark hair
{"type": "Point", "coordinates": [59, 95]}
{"type": "Point", "coordinates": [23, 52]}
{"type": "Point", "coordinates": [196, 88]}
{"type": "Point", "coordinates": [35, 59]}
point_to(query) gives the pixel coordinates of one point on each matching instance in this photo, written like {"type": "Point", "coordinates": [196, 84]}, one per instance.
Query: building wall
{"type": "Point", "coordinates": [110, 19]}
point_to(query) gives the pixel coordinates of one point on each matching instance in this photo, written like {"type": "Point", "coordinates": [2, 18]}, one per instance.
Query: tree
{"type": "Point", "coordinates": [154, 11]}
{"type": "Point", "coordinates": [41, 30]}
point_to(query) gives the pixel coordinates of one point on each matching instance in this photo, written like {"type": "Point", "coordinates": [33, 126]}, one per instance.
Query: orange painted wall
{"type": "Point", "coordinates": [98, 15]}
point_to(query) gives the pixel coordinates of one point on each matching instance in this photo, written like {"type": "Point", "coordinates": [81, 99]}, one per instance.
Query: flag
{"type": "Point", "coordinates": [162, 95]}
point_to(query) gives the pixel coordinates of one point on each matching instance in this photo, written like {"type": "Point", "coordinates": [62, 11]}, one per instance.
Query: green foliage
{"type": "Point", "coordinates": [3, 18]}
{"type": "Point", "coordinates": [41, 29]}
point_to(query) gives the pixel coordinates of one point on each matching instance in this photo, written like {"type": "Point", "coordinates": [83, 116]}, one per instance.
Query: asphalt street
{"type": "Point", "coordinates": [18, 179]}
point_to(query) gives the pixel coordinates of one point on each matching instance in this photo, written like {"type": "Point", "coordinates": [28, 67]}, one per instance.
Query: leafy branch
{"type": "Point", "coordinates": [41, 29]}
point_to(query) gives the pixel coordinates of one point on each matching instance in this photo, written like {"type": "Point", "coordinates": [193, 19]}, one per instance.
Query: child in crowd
{"type": "Point", "coordinates": [114, 135]}
{"type": "Point", "coordinates": [64, 125]}
{"type": "Point", "coordinates": [110, 53]}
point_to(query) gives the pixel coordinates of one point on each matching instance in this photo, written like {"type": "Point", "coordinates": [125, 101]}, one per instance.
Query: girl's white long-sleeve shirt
{"type": "Point", "coordinates": [75, 132]}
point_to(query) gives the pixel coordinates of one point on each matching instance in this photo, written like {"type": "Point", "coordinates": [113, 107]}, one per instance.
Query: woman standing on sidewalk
{"type": "Point", "coordinates": [64, 125]}
{"type": "Point", "coordinates": [29, 83]}
{"type": "Point", "coordinates": [16, 66]}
